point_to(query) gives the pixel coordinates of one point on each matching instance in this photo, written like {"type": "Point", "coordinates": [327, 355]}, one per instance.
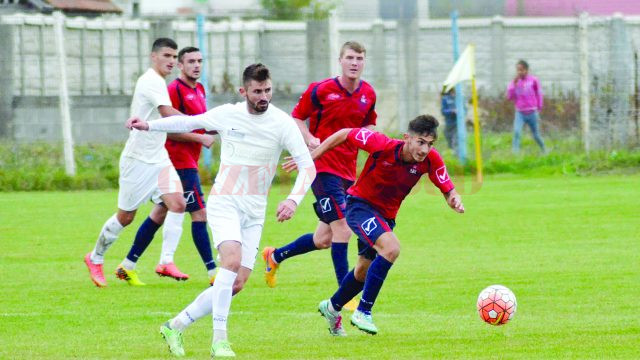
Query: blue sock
{"type": "Point", "coordinates": [349, 287]}
{"type": "Point", "coordinates": [202, 242]}
{"type": "Point", "coordinates": [143, 239]}
{"type": "Point", "coordinates": [375, 278]}
{"type": "Point", "coordinates": [339, 252]}
{"type": "Point", "coordinates": [301, 245]}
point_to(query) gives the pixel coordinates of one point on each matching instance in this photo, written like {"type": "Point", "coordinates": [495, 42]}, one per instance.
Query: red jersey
{"type": "Point", "coordinates": [386, 180]}
{"type": "Point", "coordinates": [189, 101]}
{"type": "Point", "coordinates": [329, 108]}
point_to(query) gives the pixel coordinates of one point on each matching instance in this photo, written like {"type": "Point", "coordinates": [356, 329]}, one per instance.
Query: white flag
{"type": "Point", "coordinates": [462, 70]}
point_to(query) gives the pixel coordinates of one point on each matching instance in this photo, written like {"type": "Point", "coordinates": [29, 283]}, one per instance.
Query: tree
{"type": "Point", "coordinates": [298, 9]}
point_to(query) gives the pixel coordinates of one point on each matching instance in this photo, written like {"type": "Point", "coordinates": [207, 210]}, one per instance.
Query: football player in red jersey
{"type": "Point", "coordinates": [188, 96]}
{"type": "Point", "coordinates": [391, 171]}
{"type": "Point", "coordinates": [345, 101]}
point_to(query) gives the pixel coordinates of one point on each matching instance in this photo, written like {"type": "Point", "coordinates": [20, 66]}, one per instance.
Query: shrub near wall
{"type": "Point", "coordinates": [26, 167]}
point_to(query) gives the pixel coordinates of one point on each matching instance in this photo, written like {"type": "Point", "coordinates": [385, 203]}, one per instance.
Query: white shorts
{"type": "Point", "coordinates": [140, 181]}
{"type": "Point", "coordinates": [228, 222]}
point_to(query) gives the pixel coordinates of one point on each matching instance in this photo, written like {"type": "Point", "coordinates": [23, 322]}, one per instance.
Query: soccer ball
{"type": "Point", "coordinates": [496, 305]}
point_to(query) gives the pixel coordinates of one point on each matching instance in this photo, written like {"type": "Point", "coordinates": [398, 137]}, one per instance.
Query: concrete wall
{"type": "Point", "coordinates": [105, 57]}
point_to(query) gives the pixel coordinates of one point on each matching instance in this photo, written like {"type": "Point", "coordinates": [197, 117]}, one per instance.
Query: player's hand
{"type": "Point", "coordinates": [455, 201]}
{"type": "Point", "coordinates": [207, 140]}
{"type": "Point", "coordinates": [136, 123]}
{"type": "Point", "coordinates": [286, 209]}
{"type": "Point", "coordinates": [314, 142]}
{"type": "Point", "coordinates": [289, 165]}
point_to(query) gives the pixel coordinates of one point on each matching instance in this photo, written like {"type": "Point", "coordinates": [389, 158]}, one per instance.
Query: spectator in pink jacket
{"type": "Point", "coordinates": [526, 94]}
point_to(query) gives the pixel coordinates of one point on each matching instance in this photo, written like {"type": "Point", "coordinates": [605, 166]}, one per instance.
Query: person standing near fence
{"type": "Point", "coordinates": [146, 173]}
{"type": "Point", "coordinates": [448, 109]}
{"type": "Point", "coordinates": [188, 96]}
{"type": "Point", "coordinates": [526, 94]}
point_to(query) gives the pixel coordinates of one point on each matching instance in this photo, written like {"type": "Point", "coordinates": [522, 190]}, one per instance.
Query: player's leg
{"type": "Point", "coordinates": [518, 122]}
{"type": "Point", "coordinates": [320, 239]}
{"type": "Point", "coordinates": [230, 257]}
{"type": "Point", "coordinates": [133, 191]}
{"type": "Point", "coordinates": [167, 190]}
{"type": "Point", "coordinates": [376, 232]}
{"type": "Point", "coordinates": [203, 242]}
{"type": "Point", "coordinates": [194, 199]}
{"type": "Point", "coordinates": [108, 235]}
{"type": "Point", "coordinates": [388, 249]}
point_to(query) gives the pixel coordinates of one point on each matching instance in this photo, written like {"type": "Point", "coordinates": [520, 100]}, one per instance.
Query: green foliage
{"type": "Point", "coordinates": [39, 166]}
{"type": "Point", "coordinates": [298, 9]}
{"type": "Point", "coordinates": [567, 246]}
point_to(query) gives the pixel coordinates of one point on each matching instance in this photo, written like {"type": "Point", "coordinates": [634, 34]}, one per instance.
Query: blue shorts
{"type": "Point", "coordinates": [367, 223]}
{"type": "Point", "coordinates": [193, 195]}
{"type": "Point", "coordinates": [330, 191]}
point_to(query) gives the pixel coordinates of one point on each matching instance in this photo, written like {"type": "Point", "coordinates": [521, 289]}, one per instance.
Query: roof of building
{"type": "Point", "coordinates": [95, 6]}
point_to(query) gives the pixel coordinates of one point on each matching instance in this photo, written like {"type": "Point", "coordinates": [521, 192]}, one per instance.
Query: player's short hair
{"type": "Point", "coordinates": [159, 43]}
{"type": "Point", "coordinates": [424, 125]}
{"type": "Point", "coordinates": [257, 72]}
{"type": "Point", "coordinates": [524, 64]}
{"type": "Point", "coordinates": [186, 50]}
{"type": "Point", "coordinates": [353, 45]}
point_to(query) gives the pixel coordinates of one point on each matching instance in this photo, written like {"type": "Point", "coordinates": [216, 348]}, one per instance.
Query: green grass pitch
{"type": "Point", "coordinates": [567, 246]}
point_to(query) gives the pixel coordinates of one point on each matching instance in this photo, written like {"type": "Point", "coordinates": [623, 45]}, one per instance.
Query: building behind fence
{"type": "Point", "coordinates": [407, 62]}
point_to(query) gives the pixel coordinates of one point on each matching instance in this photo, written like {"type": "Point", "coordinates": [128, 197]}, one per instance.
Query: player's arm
{"type": "Point", "coordinates": [294, 143]}
{"type": "Point", "coordinates": [311, 141]}
{"type": "Point", "coordinates": [440, 178]}
{"type": "Point", "coordinates": [454, 201]}
{"type": "Point", "coordinates": [301, 112]}
{"type": "Point", "coordinates": [210, 120]}
{"type": "Point", "coordinates": [205, 139]}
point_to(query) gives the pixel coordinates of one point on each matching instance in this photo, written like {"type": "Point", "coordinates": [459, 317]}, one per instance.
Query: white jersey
{"type": "Point", "coordinates": [151, 92]}
{"type": "Point", "coordinates": [250, 151]}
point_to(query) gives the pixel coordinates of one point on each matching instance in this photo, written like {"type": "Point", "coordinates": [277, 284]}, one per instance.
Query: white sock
{"type": "Point", "coordinates": [128, 264]}
{"type": "Point", "coordinates": [171, 233]}
{"type": "Point", "coordinates": [108, 235]}
{"type": "Point", "coordinates": [212, 272]}
{"type": "Point", "coordinates": [200, 307]}
{"type": "Point", "coordinates": [221, 303]}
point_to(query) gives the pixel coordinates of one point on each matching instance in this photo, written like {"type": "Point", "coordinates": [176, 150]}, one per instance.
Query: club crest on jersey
{"type": "Point", "coordinates": [363, 135]}
{"type": "Point", "coordinates": [369, 225]}
{"type": "Point", "coordinates": [413, 170]}
{"type": "Point", "coordinates": [325, 205]}
{"type": "Point", "coordinates": [442, 174]}
{"type": "Point", "coordinates": [189, 97]}
{"type": "Point", "coordinates": [333, 96]}
{"type": "Point", "coordinates": [363, 99]}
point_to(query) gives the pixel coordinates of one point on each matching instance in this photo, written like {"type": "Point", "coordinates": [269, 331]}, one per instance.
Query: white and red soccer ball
{"type": "Point", "coordinates": [496, 305]}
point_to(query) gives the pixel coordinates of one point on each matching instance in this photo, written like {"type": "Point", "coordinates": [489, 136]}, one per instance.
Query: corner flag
{"type": "Point", "coordinates": [465, 69]}
{"type": "Point", "coordinates": [462, 70]}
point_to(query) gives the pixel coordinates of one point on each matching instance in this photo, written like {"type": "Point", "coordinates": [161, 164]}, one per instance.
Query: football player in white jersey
{"type": "Point", "coordinates": [145, 170]}
{"type": "Point", "coordinates": [253, 135]}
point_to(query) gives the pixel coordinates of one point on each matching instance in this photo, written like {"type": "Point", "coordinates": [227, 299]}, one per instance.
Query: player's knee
{"type": "Point", "coordinates": [322, 241]}
{"type": "Point", "coordinates": [341, 231]}
{"type": "Point", "coordinates": [125, 218]}
{"type": "Point", "coordinates": [178, 206]}
{"type": "Point", "coordinates": [200, 215]}
{"type": "Point", "coordinates": [391, 252]}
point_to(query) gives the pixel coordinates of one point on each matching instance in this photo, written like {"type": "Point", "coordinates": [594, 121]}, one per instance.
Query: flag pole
{"type": "Point", "coordinates": [476, 122]}
{"type": "Point", "coordinates": [460, 113]}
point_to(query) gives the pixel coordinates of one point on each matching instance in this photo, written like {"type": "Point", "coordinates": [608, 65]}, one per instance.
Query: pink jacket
{"type": "Point", "coordinates": [526, 94]}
